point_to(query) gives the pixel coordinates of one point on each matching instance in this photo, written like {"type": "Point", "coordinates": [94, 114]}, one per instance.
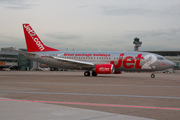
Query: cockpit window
{"type": "Point", "coordinates": [160, 58]}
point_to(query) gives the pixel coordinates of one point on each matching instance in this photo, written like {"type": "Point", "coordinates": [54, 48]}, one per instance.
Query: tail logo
{"type": "Point", "coordinates": [34, 37]}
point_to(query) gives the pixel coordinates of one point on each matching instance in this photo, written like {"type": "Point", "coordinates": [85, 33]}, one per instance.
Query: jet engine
{"type": "Point", "coordinates": [104, 69]}
{"type": "Point", "coordinates": [118, 72]}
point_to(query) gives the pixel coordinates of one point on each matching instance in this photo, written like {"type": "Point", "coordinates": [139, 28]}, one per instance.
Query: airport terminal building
{"type": "Point", "coordinates": [17, 61]}
{"type": "Point", "coordinates": [10, 60]}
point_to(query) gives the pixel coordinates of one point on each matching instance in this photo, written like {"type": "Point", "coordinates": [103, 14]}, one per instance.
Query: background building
{"type": "Point", "coordinates": [24, 63]}
{"type": "Point", "coordinates": [8, 59]}
{"type": "Point", "coordinates": [15, 61]}
{"type": "Point", "coordinates": [137, 44]}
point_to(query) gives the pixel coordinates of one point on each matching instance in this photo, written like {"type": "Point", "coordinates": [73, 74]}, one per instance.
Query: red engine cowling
{"type": "Point", "coordinates": [117, 72]}
{"type": "Point", "coordinates": [104, 69]}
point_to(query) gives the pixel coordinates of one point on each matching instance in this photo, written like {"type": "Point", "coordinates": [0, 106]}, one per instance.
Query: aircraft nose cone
{"type": "Point", "coordinates": [171, 64]}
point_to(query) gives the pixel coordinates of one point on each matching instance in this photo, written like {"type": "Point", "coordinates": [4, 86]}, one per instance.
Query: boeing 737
{"type": "Point", "coordinates": [96, 62]}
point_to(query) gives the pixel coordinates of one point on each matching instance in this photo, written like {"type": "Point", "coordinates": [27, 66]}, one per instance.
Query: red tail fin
{"type": "Point", "coordinates": [34, 44]}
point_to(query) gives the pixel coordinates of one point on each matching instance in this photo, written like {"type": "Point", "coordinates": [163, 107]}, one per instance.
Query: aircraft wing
{"type": "Point", "coordinates": [75, 62]}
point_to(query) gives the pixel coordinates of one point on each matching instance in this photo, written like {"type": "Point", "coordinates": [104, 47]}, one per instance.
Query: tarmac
{"type": "Point", "coordinates": [18, 110]}
{"type": "Point", "coordinates": [71, 96]}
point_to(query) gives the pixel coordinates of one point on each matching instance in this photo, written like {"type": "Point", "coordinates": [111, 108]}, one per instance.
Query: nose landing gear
{"type": "Point", "coordinates": [153, 75]}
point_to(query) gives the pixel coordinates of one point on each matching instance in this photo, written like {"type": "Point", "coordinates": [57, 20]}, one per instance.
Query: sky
{"type": "Point", "coordinates": [92, 25]}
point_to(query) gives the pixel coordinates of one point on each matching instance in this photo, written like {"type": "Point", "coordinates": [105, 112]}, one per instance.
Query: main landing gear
{"type": "Point", "coordinates": [94, 73]}
{"type": "Point", "coordinates": [153, 75]}
{"type": "Point", "coordinates": [87, 73]}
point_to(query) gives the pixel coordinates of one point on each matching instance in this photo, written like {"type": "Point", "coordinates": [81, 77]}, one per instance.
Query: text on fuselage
{"type": "Point", "coordinates": [128, 59]}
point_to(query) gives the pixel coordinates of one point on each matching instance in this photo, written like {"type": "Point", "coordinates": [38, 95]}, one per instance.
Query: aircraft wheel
{"type": "Point", "coordinates": [152, 76]}
{"type": "Point", "coordinates": [86, 73]}
{"type": "Point", "coordinates": [94, 73]}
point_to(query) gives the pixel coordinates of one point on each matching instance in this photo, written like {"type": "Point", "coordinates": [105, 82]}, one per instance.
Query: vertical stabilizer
{"type": "Point", "coordinates": [34, 44]}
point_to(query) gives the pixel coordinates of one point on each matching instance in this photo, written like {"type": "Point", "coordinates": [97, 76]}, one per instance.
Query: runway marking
{"type": "Point", "coordinates": [94, 84]}
{"type": "Point", "coordinates": [95, 104]}
{"type": "Point", "coordinates": [106, 95]}
{"type": "Point", "coordinates": [175, 80]}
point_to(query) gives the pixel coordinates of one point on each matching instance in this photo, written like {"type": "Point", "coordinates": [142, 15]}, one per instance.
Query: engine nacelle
{"type": "Point", "coordinates": [118, 72]}
{"type": "Point", "coordinates": [104, 69]}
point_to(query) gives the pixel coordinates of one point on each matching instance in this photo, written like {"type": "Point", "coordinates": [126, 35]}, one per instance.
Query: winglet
{"type": "Point", "coordinates": [34, 44]}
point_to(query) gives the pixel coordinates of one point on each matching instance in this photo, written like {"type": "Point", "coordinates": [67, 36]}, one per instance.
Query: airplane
{"type": "Point", "coordinates": [98, 62]}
